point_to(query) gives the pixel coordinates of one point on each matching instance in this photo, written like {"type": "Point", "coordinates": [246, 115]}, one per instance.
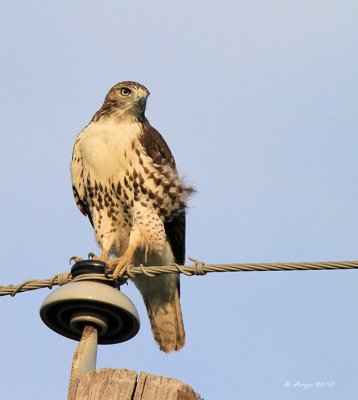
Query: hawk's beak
{"type": "Point", "coordinates": [141, 102]}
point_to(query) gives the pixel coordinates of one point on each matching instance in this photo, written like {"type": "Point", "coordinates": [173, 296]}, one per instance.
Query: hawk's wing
{"type": "Point", "coordinates": [157, 149]}
{"type": "Point", "coordinates": [78, 186]}
{"type": "Point", "coordinates": [175, 231]}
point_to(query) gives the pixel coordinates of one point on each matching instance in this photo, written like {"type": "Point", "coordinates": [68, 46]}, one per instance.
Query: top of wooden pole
{"type": "Point", "coordinates": [123, 384]}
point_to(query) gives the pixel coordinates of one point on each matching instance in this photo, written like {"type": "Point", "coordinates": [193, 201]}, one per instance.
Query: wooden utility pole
{"type": "Point", "coordinates": [123, 384]}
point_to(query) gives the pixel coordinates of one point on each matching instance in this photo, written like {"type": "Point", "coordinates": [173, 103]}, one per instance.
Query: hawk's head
{"type": "Point", "coordinates": [125, 99]}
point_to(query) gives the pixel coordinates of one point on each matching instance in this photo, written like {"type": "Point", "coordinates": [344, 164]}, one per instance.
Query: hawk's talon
{"type": "Point", "coordinates": [75, 259]}
{"type": "Point", "coordinates": [108, 270]}
{"type": "Point", "coordinates": [92, 256]}
{"type": "Point", "coordinates": [121, 281]}
{"type": "Point", "coordinates": [121, 264]}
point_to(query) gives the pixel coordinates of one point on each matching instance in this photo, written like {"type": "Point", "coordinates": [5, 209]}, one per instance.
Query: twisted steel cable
{"type": "Point", "coordinates": [198, 268]}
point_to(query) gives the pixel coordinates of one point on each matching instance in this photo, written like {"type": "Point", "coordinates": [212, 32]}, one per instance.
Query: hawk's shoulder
{"type": "Point", "coordinates": [155, 146]}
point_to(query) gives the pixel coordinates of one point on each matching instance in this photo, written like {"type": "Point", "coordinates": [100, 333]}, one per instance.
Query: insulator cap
{"type": "Point", "coordinates": [93, 301]}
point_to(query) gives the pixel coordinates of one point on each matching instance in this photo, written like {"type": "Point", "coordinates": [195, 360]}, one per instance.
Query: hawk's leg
{"type": "Point", "coordinates": [147, 236]}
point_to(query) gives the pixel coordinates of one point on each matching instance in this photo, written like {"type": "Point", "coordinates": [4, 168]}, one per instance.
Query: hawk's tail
{"type": "Point", "coordinates": [161, 297]}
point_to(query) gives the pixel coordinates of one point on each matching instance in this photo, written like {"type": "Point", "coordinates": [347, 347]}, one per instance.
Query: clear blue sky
{"type": "Point", "coordinates": [258, 102]}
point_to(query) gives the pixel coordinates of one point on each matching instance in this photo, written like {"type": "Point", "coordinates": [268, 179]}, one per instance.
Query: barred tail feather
{"type": "Point", "coordinates": [167, 325]}
{"type": "Point", "coordinates": [161, 297]}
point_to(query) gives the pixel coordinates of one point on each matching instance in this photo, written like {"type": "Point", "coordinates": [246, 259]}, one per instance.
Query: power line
{"type": "Point", "coordinates": [198, 268]}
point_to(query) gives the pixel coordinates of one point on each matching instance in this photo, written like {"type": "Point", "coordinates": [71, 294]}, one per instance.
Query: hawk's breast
{"type": "Point", "coordinates": [120, 178]}
{"type": "Point", "coordinates": [106, 148]}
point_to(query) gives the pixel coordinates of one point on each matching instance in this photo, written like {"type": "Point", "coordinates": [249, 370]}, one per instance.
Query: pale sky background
{"type": "Point", "coordinates": [258, 102]}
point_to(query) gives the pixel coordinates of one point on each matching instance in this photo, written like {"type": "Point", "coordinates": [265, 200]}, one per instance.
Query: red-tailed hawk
{"type": "Point", "coordinates": [125, 180]}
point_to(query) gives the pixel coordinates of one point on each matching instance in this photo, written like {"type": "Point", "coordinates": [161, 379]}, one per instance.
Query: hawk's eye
{"type": "Point", "coordinates": [125, 91]}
